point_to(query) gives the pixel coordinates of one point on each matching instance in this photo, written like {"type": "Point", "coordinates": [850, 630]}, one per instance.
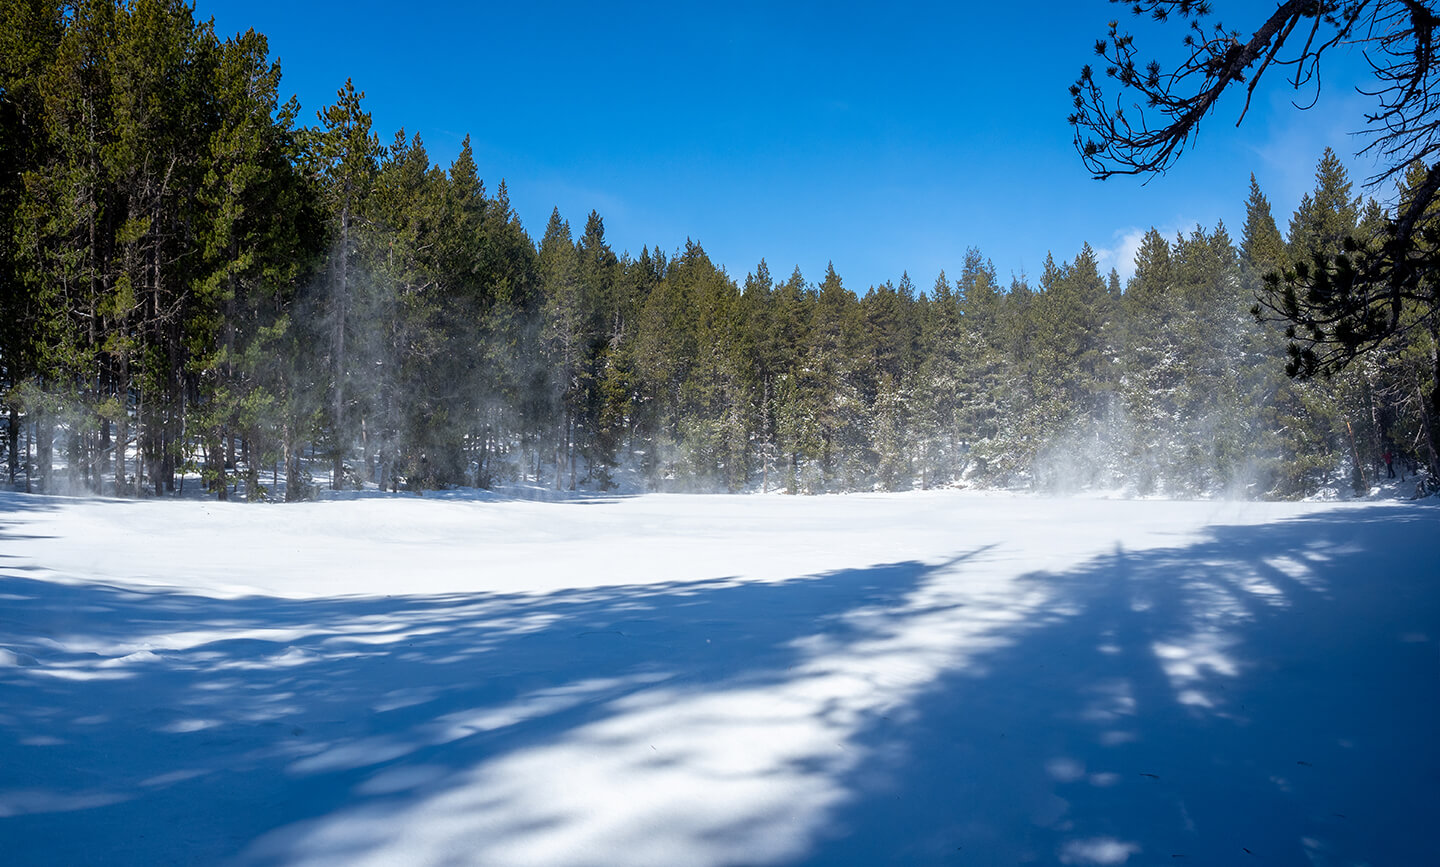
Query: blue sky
{"type": "Point", "coordinates": [883, 138]}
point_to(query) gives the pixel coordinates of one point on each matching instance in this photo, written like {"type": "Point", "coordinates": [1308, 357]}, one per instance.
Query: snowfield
{"type": "Point", "coordinates": [941, 677]}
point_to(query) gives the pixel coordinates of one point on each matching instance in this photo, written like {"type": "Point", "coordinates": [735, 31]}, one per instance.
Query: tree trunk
{"type": "Point", "coordinates": [252, 474]}
{"type": "Point", "coordinates": [215, 480]}
{"type": "Point", "coordinates": [364, 449]}
{"type": "Point", "coordinates": [29, 467]}
{"type": "Point", "coordinates": [102, 456]}
{"type": "Point", "coordinates": [44, 450]}
{"type": "Point", "coordinates": [560, 452]}
{"type": "Point", "coordinates": [767, 438]}
{"type": "Point", "coordinates": [122, 436]}
{"type": "Point", "coordinates": [1430, 420]}
{"type": "Point", "coordinates": [75, 447]}
{"type": "Point", "coordinates": [292, 466]}
{"type": "Point", "coordinates": [342, 300]}
{"type": "Point", "coordinates": [139, 487]}
{"type": "Point", "coordinates": [570, 447]}
{"type": "Point", "coordinates": [13, 434]}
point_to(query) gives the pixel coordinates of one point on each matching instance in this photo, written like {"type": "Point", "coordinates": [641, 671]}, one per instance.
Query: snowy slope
{"type": "Point", "coordinates": [922, 678]}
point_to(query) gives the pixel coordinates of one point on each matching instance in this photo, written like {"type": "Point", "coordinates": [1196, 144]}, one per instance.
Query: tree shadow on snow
{"type": "Point", "coordinates": [1269, 695]}
{"type": "Point", "coordinates": [1266, 694]}
{"type": "Point", "coordinates": [141, 726]}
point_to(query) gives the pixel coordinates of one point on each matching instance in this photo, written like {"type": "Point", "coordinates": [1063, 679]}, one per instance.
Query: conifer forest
{"type": "Point", "coordinates": [198, 281]}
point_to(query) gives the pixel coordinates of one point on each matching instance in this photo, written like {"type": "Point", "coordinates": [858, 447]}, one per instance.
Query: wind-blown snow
{"type": "Point", "coordinates": [920, 678]}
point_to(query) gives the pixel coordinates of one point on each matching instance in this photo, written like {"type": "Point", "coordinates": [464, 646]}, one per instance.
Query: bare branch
{"type": "Point", "coordinates": [1112, 142]}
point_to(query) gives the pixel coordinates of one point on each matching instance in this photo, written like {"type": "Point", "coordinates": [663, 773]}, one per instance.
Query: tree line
{"type": "Point", "coordinates": [195, 284]}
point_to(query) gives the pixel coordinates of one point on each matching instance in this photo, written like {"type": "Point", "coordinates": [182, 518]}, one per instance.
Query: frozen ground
{"type": "Point", "coordinates": [661, 680]}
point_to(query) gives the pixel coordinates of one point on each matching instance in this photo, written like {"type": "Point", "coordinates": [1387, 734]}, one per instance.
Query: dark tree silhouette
{"type": "Point", "coordinates": [1363, 293]}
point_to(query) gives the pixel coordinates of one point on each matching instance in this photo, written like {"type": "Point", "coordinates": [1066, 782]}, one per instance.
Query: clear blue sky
{"type": "Point", "coordinates": [882, 138]}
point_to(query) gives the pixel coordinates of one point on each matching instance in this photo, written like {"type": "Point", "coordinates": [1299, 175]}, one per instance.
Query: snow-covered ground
{"type": "Point", "coordinates": [924, 678]}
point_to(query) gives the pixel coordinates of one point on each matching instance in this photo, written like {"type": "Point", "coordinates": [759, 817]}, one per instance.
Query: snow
{"type": "Point", "coordinates": [941, 677]}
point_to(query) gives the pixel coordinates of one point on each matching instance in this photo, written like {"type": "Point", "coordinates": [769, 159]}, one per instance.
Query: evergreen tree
{"type": "Point", "coordinates": [940, 385]}
{"type": "Point", "coordinates": [1069, 375]}
{"type": "Point", "coordinates": [30, 33]}
{"type": "Point", "coordinates": [343, 155]}
{"type": "Point", "coordinates": [408, 392]}
{"type": "Point", "coordinates": [763, 344]}
{"type": "Point", "coordinates": [715, 407]}
{"type": "Point", "coordinates": [1152, 363]}
{"type": "Point", "coordinates": [1262, 249]}
{"type": "Point", "coordinates": [985, 376]}
{"type": "Point", "coordinates": [603, 405]}
{"type": "Point", "coordinates": [509, 335]}
{"type": "Point", "coordinates": [1318, 229]}
{"type": "Point", "coordinates": [260, 237]}
{"type": "Point", "coordinates": [567, 334]}
{"type": "Point", "coordinates": [1325, 216]}
{"type": "Point", "coordinates": [1215, 435]}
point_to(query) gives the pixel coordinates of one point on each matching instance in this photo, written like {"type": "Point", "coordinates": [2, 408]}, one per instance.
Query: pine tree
{"type": "Point", "coordinates": [1325, 216]}
{"type": "Point", "coordinates": [565, 337]}
{"type": "Point", "coordinates": [985, 377]}
{"type": "Point", "coordinates": [884, 365]}
{"type": "Point", "coordinates": [762, 343]}
{"type": "Point", "coordinates": [30, 33]}
{"type": "Point", "coordinates": [343, 154]}
{"type": "Point", "coordinates": [602, 411]}
{"type": "Point", "coordinates": [509, 340]}
{"type": "Point", "coordinates": [69, 215]}
{"type": "Point", "coordinates": [261, 234]}
{"type": "Point", "coordinates": [1152, 363]}
{"type": "Point", "coordinates": [409, 393]}
{"type": "Point", "coordinates": [941, 385]}
{"type": "Point", "coordinates": [839, 403]}
{"type": "Point", "coordinates": [715, 409]}
{"type": "Point", "coordinates": [1262, 249]}
{"type": "Point", "coordinates": [1069, 374]}
{"type": "Point", "coordinates": [1213, 435]}
{"type": "Point", "coordinates": [1307, 415]}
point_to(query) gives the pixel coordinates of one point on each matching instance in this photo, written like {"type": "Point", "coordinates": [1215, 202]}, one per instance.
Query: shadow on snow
{"type": "Point", "coordinates": [1269, 693]}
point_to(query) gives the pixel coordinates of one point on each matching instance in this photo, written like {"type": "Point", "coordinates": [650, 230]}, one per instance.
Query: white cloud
{"type": "Point", "coordinates": [1097, 850]}
{"type": "Point", "coordinates": [1121, 254]}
